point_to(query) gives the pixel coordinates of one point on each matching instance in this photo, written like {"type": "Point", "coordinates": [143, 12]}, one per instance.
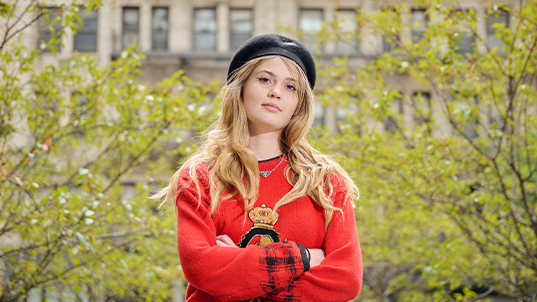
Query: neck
{"type": "Point", "coordinates": [265, 145]}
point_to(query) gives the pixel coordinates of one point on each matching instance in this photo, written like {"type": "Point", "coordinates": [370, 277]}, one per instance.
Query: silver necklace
{"type": "Point", "coordinates": [267, 173]}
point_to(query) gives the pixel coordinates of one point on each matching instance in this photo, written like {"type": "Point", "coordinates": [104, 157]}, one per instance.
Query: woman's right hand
{"type": "Point", "coordinates": [316, 257]}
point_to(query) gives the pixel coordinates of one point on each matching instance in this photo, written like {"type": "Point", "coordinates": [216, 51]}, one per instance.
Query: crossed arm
{"type": "Point", "coordinates": [316, 256]}
{"type": "Point", "coordinates": [279, 271]}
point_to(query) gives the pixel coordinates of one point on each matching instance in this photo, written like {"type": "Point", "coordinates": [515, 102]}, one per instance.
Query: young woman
{"type": "Point", "coordinates": [263, 216]}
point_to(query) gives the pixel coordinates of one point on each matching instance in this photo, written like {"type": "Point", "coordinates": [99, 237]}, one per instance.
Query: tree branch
{"type": "Point", "coordinates": [134, 160]}
{"type": "Point", "coordinates": [7, 38]}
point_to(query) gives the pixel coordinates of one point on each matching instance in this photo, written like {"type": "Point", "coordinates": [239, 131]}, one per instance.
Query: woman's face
{"type": "Point", "coordinates": [270, 97]}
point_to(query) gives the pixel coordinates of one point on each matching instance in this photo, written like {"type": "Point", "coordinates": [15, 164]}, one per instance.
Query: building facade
{"type": "Point", "coordinates": [201, 36]}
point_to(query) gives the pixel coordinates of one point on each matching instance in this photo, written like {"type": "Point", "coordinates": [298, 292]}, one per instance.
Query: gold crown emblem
{"type": "Point", "coordinates": [262, 216]}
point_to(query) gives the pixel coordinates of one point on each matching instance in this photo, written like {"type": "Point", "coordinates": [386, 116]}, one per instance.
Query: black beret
{"type": "Point", "coordinates": [266, 45]}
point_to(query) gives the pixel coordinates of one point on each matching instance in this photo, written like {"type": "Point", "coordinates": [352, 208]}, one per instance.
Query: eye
{"type": "Point", "coordinates": [263, 80]}
{"type": "Point", "coordinates": [291, 87]}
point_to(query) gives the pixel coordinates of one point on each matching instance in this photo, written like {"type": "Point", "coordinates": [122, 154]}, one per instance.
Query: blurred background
{"type": "Point", "coordinates": [429, 105]}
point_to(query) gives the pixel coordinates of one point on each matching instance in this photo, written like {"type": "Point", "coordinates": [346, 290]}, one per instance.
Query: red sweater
{"type": "Point", "coordinates": [273, 264]}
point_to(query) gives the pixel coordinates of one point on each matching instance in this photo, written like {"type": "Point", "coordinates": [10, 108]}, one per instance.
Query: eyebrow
{"type": "Point", "coordinates": [273, 75]}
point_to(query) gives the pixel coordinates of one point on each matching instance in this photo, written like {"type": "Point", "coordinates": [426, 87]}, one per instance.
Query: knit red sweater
{"type": "Point", "coordinates": [273, 264]}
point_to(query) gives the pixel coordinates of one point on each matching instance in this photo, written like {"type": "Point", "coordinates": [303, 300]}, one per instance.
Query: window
{"type": "Point", "coordinates": [462, 121]}
{"type": "Point", "coordinates": [159, 32]}
{"type": "Point", "coordinates": [241, 27]}
{"type": "Point", "coordinates": [131, 25]}
{"type": "Point", "coordinates": [80, 112]}
{"type": "Point", "coordinates": [391, 121]}
{"type": "Point", "coordinates": [205, 29]}
{"type": "Point", "coordinates": [341, 115]}
{"type": "Point", "coordinates": [502, 17]}
{"type": "Point", "coordinates": [345, 117]}
{"type": "Point", "coordinates": [49, 25]}
{"type": "Point", "coordinates": [495, 116]}
{"type": "Point", "coordinates": [86, 38]}
{"type": "Point", "coordinates": [421, 102]}
{"type": "Point", "coordinates": [466, 43]}
{"type": "Point", "coordinates": [390, 40]}
{"type": "Point", "coordinates": [318, 110]}
{"type": "Point", "coordinates": [419, 23]}
{"type": "Point", "coordinates": [311, 21]}
{"type": "Point", "coordinates": [349, 24]}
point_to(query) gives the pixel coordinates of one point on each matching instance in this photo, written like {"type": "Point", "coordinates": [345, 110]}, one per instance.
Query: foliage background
{"type": "Point", "coordinates": [443, 215]}
{"type": "Point", "coordinates": [446, 212]}
{"type": "Point", "coordinates": [72, 135]}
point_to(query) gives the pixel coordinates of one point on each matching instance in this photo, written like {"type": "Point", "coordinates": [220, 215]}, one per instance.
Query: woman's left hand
{"type": "Point", "coordinates": [224, 240]}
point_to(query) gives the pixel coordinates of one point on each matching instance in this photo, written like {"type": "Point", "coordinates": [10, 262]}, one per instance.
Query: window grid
{"type": "Point", "coordinates": [502, 17]}
{"type": "Point", "coordinates": [311, 21]}
{"type": "Point", "coordinates": [419, 24]}
{"type": "Point", "coordinates": [391, 121]}
{"type": "Point", "coordinates": [466, 44]}
{"type": "Point", "coordinates": [241, 27]}
{"type": "Point", "coordinates": [131, 26]}
{"type": "Point", "coordinates": [85, 39]}
{"type": "Point", "coordinates": [421, 102]}
{"type": "Point", "coordinates": [318, 114]}
{"type": "Point", "coordinates": [349, 24]}
{"type": "Point", "coordinates": [159, 33]}
{"type": "Point", "coordinates": [205, 29]}
{"type": "Point", "coordinates": [45, 32]}
{"type": "Point", "coordinates": [390, 41]}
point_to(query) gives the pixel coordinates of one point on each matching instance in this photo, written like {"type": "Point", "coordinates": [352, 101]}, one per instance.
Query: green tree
{"type": "Point", "coordinates": [71, 135]}
{"type": "Point", "coordinates": [448, 199]}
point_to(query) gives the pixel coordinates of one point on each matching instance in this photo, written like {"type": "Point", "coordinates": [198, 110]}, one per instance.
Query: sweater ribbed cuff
{"type": "Point", "coordinates": [305, 257]}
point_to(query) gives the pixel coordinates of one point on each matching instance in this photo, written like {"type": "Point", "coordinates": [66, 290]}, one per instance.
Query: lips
{"type": "Point", "coordinates": [271, 106]}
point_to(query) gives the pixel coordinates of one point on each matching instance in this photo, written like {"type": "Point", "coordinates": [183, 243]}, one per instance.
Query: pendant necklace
{"type": "Point", "coordinates": [267, 173]}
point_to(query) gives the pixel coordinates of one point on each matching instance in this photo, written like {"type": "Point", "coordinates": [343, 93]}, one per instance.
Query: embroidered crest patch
{"type": "Point", "coordinates": [262, 233]}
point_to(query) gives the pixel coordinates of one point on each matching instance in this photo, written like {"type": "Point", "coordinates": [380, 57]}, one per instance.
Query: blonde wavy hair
{"type": "Point", "coordinates": [233, 167]}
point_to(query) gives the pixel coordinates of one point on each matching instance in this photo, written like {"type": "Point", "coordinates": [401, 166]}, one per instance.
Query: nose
{"type": "Point", "coordinates": [274, 93]}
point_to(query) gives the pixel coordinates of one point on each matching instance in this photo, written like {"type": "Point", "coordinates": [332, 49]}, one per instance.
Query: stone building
{"type": "Point", "coordinates": [200, 36]}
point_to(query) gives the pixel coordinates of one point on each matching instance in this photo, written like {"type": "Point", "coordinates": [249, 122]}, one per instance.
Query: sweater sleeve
{"type": "Point", "coordinates": [339, 276]}
{"type": "Point", "coordinates": [223, 272]}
